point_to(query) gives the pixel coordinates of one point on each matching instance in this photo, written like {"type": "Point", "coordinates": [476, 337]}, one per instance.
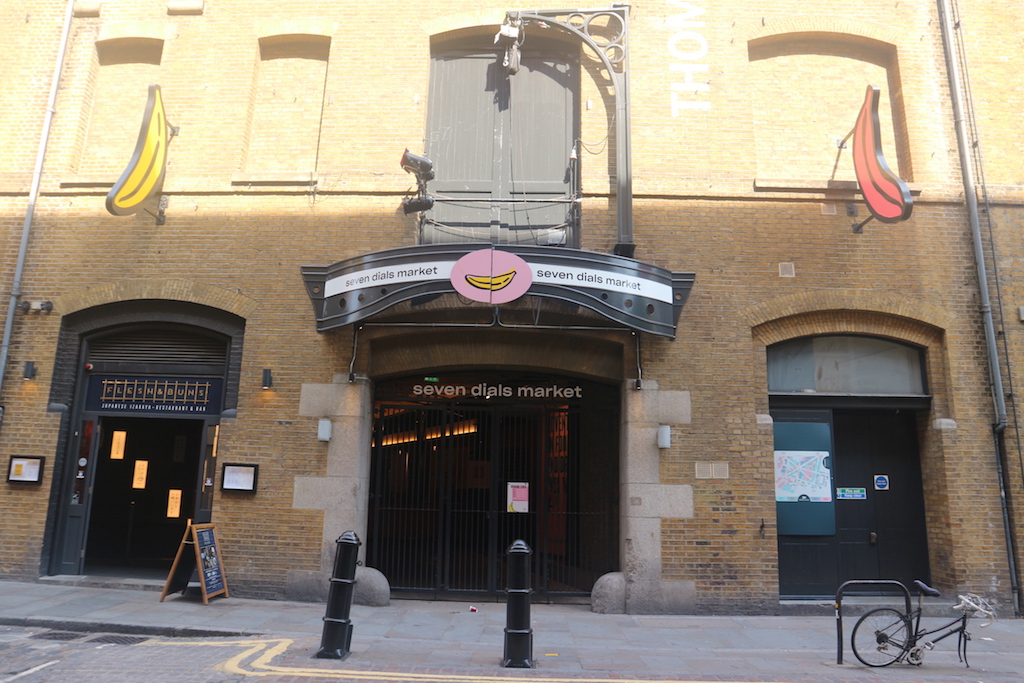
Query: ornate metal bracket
{"type": "Point", "coordinates": [606, 33]}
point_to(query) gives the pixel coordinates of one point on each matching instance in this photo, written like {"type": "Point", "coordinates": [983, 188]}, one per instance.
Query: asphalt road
{"type": "Point", "coordinates": [33, 655]}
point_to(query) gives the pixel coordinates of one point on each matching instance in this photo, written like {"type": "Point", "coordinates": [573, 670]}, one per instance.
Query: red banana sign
{"type": "Point", "coordinates": [887, 196]}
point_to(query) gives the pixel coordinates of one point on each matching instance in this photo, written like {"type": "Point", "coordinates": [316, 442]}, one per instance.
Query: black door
{"type": "Point", "coordinates": [878, 502]}
{"type": "Point", "coordinates": [880, 536]}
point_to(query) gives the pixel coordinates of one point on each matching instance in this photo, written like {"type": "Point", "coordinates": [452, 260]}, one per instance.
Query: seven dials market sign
{"type": "Point", "coordinates": [637, 295]}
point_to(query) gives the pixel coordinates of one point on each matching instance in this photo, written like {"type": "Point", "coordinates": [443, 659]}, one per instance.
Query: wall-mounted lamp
{"type": "Point", "coordinates": [323, 429]}
{"type": "Point", "coordinates": [664, 436]}
{"type": "Point", "coordinates": [30, 370]}
{"type": "Point", "coordinates": [268, 378]}
{"type": "Point", "coordinates": [415, 204]}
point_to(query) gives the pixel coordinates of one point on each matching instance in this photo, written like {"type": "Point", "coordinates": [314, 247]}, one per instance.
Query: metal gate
{"type": "Point", "coordinates": [453, 486]}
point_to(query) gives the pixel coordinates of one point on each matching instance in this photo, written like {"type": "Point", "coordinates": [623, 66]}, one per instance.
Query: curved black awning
{"type": "Point", "coordinates": [637, 295]}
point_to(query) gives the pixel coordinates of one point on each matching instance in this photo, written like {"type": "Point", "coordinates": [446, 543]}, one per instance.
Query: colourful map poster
{"type": "Point", "coordinates": [803, 476]}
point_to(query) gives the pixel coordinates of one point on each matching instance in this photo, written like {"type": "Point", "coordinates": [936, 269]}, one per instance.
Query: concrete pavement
{"type": "Point", "coordinates": [467, 638]}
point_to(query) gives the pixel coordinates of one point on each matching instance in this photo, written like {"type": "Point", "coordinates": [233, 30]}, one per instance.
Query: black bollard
{"type": "Point", "coordinates": [518, 632]}
{"type": "Point", "coordinates": [337, 636]}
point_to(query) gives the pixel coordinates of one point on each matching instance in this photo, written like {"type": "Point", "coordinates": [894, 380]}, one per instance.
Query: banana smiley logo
{"type": "Point", "coordinates": [491, 282]}
{"type": "Point", "coordinates": [491, 276]}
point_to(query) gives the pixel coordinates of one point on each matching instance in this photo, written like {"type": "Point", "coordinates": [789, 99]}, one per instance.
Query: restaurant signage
{"type": "Point", "coordinates": [886, 194]}
{"type": "Point", "coordinates": [637, 295]}
{"type": "Point", "coordinates": [144, 175]}
{"type": "Point", "coordinates": [136, 394]}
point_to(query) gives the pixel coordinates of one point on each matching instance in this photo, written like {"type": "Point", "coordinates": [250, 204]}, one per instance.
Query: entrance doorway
{"type": "Point", "coordinates": [456, 480]}
{"type": "Point", "coordinates": [848, 488]}
{"type": "Point", "coordinates": [132, 487]}
{"type": "Point", "coordinates": [143, 492]}
{"type": "Point", "coordinates": [876, 506]}
{"type": "Point", "coordinates": [149, 382]}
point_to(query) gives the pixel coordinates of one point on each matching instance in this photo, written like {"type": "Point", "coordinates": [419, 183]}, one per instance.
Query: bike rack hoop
{"type": "Point", "coordinates": [839, 606]}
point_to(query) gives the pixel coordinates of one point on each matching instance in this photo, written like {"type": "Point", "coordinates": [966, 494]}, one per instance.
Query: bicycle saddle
{"type": "Point", "coordinates": [925, 589]}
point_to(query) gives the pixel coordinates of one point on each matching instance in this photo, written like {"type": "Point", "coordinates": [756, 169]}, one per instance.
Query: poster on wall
{"type": "Point", "coordinates": [518, 496]}
{"type": "Point", "coordinates": [803, 476]}
{"type": "Point", "coordinates": [804, 502]}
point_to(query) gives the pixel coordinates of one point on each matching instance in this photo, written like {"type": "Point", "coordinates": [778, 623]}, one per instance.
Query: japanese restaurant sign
{"type": "Point", "coordinates": [141, 394]}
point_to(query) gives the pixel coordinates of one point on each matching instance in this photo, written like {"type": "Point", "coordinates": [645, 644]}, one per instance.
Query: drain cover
{"type": "Point", "coordinates": [115, 639]}
{"type": "Point", "coordinates": [58, 635]}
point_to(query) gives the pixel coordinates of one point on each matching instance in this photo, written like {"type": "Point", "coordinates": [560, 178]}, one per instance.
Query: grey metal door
{"type": "Point", "coordinates": [69, 555]}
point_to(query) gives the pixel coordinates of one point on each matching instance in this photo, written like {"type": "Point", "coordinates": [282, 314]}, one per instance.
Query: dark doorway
{"type": "Point", "coordinates": [455, 482]}
{"type": "Point", "coordinates": [877, 498]}
{"type": "Point", "coordinates": [144, 492]}
{"type": "Point", "coordinates": [884, 536]}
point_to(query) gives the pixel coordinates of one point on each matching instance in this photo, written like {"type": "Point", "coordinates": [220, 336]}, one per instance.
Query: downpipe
{"type": "Point", "coordinates": [33, 194]}
{"type": "Point", "coordinates": [995, 372]}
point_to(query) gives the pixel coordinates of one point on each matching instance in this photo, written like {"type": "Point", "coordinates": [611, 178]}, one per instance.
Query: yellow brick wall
{"type": "Point", "coordinates": [729, 191]}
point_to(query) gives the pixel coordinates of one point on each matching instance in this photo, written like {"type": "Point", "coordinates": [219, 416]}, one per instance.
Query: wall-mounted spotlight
{"type": "Point", "coordinates": [30, 370]}
{"type": "Point", "coordinates": [414, 204]}
{"type": "Point", "coordinates": [664, 436]}
{"type": "Point", "coordinates": [268, 378]}
{"type": "Point", "coordinates": [421, 167]}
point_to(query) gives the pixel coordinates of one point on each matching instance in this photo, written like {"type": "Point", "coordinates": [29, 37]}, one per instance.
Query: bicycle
{"type": "Point", "coordinates": [886, 635]}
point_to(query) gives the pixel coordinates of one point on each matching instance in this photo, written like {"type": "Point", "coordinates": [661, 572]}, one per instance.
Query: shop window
{"type": "Point", "coordinates": [288, 100]}
{"type": "Point", "coordinates": [127, 67]}
{"type": "Point", "coordinates": [809, 88]}
{"type": "Point", "coordinates": [501, 145]}
{"type": "Point", "coordinates": [845, 365]}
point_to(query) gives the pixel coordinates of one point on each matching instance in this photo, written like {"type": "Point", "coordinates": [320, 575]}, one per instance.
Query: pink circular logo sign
{"type": "Point", "coordinates": [491, 276]}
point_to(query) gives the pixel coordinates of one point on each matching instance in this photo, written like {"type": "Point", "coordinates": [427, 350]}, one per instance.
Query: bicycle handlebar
{"type": "Point", "coordinates": [976, 603]}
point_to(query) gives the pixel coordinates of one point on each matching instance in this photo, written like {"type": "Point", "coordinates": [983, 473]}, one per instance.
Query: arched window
{"type": "Point", "coordinates": [288, 95]}
{"type": "Point", "coordinates": [127, 67]}
{"type": "Point", "coordinates": [846, 365]}
{"type": "Point", "coordinates": [808, 89]}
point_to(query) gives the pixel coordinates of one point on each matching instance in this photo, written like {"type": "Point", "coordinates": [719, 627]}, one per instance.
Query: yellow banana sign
{"type": "Point", "coordinates": [491, 282]}
{"type": "Point", "coordinates": [145, 172]}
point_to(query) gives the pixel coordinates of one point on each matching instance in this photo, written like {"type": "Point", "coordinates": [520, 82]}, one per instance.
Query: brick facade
{"type": "Point", "coordinates": [292, 118]}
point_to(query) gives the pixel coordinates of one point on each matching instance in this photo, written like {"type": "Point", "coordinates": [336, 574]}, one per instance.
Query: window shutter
{"type": "Point", "coordinates": [501, 144]}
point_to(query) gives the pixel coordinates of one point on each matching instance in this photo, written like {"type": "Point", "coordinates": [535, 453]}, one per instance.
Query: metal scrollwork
{"type": "Point", "coordinates": [605, 31]}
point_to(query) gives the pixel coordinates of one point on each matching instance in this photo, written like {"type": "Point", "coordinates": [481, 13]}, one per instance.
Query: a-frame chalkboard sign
{"type": "Point", "coordinates": [198, 550]}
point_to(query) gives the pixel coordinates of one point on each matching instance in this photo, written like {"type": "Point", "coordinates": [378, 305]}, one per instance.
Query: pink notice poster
{"type": "Point", "coordinates": [518, 496]}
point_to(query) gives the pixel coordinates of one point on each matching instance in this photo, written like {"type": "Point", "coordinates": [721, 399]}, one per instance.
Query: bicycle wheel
{"type": "Point", "coordinates": [880, 637]}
